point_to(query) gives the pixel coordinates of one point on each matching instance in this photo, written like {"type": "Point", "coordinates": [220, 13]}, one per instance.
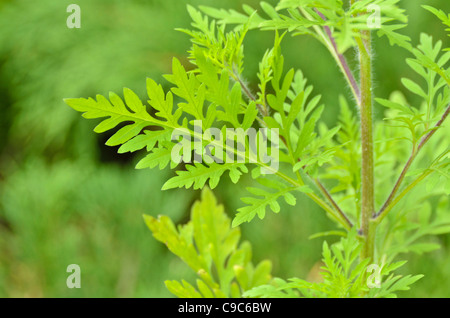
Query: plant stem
{"type": "Point", "coordinates": [382, 214]}
{"type": "Point", "coordinates": [367, 169]}
{"type": "Point", "coordinates": [342, 62]}
{"type": "Point", "coordinates": [388, 204]}
{"type": "Point", "coordinates": [262, 110]}
{"type": "Point", "coordinates": [427, 137]}
{"type": "Point", "coordinates": [333, 203]}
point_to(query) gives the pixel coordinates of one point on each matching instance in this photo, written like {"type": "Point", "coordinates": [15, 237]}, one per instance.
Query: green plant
{"type": "Point", "coordinates": [357, 158]}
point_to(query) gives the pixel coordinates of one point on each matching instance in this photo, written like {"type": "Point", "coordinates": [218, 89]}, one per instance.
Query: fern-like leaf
{"type": "Point", "coordinates": [211, 248]}
{"type": "Point", "coordinates": [197, 175]}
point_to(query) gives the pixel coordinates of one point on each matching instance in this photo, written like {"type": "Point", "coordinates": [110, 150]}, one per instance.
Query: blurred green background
{"type": "Point", "coordinates": [65, 198]}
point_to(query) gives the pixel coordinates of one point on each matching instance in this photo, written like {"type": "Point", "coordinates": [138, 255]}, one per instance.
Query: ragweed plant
{"type": "Point", "coordinates": [390, 178]}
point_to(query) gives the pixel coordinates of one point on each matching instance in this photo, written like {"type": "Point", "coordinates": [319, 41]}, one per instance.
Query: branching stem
{"type": "Point", "coordinates": [390, 202]}
{"type": "Point", "coordinates": [342, 62]}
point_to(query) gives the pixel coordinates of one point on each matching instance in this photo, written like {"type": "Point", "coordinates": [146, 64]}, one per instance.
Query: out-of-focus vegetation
{"type": "Point", "coordinates": [67, 200]}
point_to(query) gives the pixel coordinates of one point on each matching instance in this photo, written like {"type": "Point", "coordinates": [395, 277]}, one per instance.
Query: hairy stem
{"type": "Point", "coordinates": [332, 202]}
{"type": "Point", "coordinates": [262, 110]}
{"type": "Point", "coordinates": [367, 169]}
{"type": "Point", "coordinates": [342, 62]}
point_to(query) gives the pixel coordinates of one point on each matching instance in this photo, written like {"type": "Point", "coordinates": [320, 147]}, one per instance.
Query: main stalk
{"type": "Point", "coordinates": [367, 164]}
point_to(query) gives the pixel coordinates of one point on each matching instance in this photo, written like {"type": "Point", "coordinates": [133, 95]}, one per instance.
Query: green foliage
{"type": "Point", "coordinates": [344, 276]}
{"type": "Point", "coordinates": [346, 165]}
{"type": "Point", "coordinates": [304, 17]}
{"type": "Point", "coordinates": [223, 49]}
{"type": "Point", "coordinates": [211, 94]}
{"type": "Point", "coordinates": [210, 84]}
{"type": "Point", "coordinates": [445, 18]}
{"type": "Point", "coordinates": [258, 206]}
{"type": "Point", "coordinates": [211, 248]}
{"type": "Point", "coordinates": [436, 95]}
